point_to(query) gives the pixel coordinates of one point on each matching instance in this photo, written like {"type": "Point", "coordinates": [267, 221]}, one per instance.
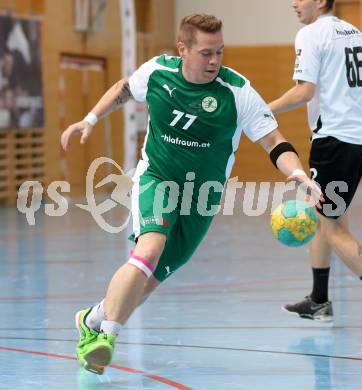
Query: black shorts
{"type": "Point", "coordinates": [337, 167]}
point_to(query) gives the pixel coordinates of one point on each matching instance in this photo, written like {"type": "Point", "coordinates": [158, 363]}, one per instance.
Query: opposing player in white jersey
{"type": "Point", "coordinates": [328, 73]}
{"type": "Point", "coordinates": [197, 112]}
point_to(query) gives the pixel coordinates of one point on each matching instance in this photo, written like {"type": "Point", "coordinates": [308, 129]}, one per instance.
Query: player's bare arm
{"type": "Point", "coordinates": [113, 99]}
{"type": "Point", "coordinates": [287, 161]}
{"type": "Point", "coordinates": [116, 96]}
{"type": "Point", "coordinates": [300, 94]}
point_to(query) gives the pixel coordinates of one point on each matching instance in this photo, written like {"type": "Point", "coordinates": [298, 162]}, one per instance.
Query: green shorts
{"type": "Point", "coordinates": [157, 208]}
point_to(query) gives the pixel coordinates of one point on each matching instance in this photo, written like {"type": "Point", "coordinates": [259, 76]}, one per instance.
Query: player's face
{"type": "Point", "coordinates": [202, 61]}
{"type": "Point", "coordinates": [308, 10]}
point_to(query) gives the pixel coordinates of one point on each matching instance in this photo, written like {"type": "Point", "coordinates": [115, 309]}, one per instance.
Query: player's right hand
{"type": "Point", "coordinates": [83, 128]}
{"type": "Point", "coordinates": [310, 188]}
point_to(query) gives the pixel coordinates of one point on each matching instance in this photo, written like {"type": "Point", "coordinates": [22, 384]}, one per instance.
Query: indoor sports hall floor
{"type": "Point", "coordinates": [215, 325]}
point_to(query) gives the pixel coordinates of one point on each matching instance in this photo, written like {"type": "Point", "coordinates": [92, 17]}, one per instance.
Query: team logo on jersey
{"type": "Point", "coordinates": [167, 88]}
{"type": "Point", "coordinates": [298, 54]}
{"type": "Point", "coordinates": [345, 33]}
{"type": "Point", "coordinates": [297, 63]}
{"type": "Point", "coordinates": [154, 220]}
{"type": "Point", "coordinates": [269, 115]}
{"type": "Point", "coordinates": [209, 104]}
{"type": "Point", "coordinates": [168, 270]}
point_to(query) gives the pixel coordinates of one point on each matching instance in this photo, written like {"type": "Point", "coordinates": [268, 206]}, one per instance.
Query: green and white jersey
{"type": "Point", "coordinates": [196, 127]}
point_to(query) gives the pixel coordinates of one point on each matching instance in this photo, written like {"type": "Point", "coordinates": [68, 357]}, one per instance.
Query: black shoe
{"type": "Point", "coordinates": [311, 310]}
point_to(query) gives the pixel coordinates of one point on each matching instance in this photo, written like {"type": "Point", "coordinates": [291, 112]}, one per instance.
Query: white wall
{"type": "Point", "coordinates": [247, 22]}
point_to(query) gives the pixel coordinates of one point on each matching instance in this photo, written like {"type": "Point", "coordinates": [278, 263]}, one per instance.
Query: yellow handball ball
{"type": "Point", "coordinates": [293, 223]}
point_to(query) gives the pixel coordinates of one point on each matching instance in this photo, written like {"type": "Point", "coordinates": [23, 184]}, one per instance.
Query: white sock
{"type": "Point", "coordinates": [110, 327]}
{"type": "Point", "coordinates": [95, 317]}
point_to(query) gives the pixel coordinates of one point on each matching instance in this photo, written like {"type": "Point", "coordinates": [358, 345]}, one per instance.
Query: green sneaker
{"type": "Point", "coordinates": [87, 337]}
{"type": "Point", "coordinates": [99, 353]}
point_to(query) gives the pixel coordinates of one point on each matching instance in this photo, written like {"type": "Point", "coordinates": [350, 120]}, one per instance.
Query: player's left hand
{"type": "Point", "coordinates": [310, 187]}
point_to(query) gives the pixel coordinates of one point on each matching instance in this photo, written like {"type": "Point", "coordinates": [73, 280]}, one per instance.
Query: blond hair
{"type": "Point", "coordinates": [197, 22]}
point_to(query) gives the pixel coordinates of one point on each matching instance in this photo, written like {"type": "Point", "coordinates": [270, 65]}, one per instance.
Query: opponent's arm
{"type": "Point", "coordinates": [117, 95]}
{"type": "Point", "coordinates": [285, 158]}
{"type": "Point", "coordinates": [300, 94]}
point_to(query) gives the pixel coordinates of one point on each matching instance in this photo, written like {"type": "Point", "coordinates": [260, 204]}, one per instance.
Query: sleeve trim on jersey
{"type": "Point", "coordinates": [304, 78]}
{"type": "Point", "coordinates": [265, 132]}
{"type": "Point", "coordinates": [131, 87]}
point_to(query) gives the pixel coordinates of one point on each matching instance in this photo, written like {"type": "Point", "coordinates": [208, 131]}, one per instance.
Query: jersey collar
{"type": "Point", "coordinates": [325, 15]}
